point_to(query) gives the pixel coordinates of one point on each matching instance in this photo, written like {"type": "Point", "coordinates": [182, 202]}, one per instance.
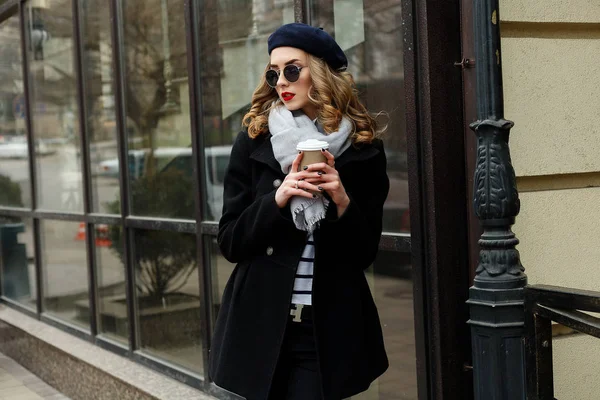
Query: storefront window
{"type": "Point", "coordinates": [221, 271]}
{"type": "Point", "coordinates": [54, 106]}
{"type": "Point", "coordinates": [65, 272]}
{"type": "Point", "coordinates": [97, 58]}
{"type": "Point", "coordinates": [14, 148]}
{"type": "Point", "coordinates": [110, 266]}
{"type": "Point", "coordinates": [390, 279]}
{"type": "Point", "coordinates": [234, 45]}
{"type": "Point", "coordinates": [168, 296]}
{"type": "Point", "coordinates": [17, 257]}
{"type": "Point", "coordinates": [157, 104]}
{"type": "Point", "coordinates": [371, 37]}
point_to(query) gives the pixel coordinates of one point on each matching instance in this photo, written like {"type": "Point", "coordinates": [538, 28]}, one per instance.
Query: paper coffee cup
{"type": "Point", "coordinates": [312, 152]}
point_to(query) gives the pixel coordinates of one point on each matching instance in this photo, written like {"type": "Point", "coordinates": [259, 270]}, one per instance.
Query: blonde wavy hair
{"type": "Point", "coordinates": [333, 94]}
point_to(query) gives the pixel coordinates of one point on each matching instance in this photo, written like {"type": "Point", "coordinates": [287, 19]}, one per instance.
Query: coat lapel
{"type": "Point", "coordinates": [264, 154]}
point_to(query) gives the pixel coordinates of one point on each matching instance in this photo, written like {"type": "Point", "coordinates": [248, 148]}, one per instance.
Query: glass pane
{"type": "Point", "coordinates": [54, 111]}
{"type": "Point", "coordinates": [17, 252]}
{"type": "Point", "coordinates": [371, 37]}
{"type": "Point", "coordinates": [158, 115]}
{"type": "Point", "coordinates": [235, 35]}
{"type": "Point", "coordinates": [65, 273]}
{"type": "Point", "coordinates": [390, 280]}
{"type": "Point", "coordinates": [14, 171]}
{"type": "Point", "coordinates": [112, 301]}
{"type": "Point", "coordinates": [169, 297]}
{"type": "Point", "coordinates": [221, 270]}
{"type": "Point", "coordinates": [98, 79]}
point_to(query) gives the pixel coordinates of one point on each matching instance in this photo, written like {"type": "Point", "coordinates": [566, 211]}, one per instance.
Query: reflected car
{"type": "Point", "coordinates": [110, 168]}
{"type": "Point", "coordinates": [19, 149]}
{"type": "Point", "coordinates": [180, 158]}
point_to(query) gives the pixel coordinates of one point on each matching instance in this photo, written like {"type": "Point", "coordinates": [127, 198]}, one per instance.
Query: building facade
{"type": "Point", "coordinates": [116, 122]}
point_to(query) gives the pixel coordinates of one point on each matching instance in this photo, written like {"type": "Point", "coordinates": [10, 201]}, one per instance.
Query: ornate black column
{"type": "Point", "coordinates": [496, 297]}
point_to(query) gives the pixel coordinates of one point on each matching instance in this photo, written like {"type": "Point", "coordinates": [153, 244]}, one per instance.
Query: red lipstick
{"type": "Point", "coordinates": [287, 96]}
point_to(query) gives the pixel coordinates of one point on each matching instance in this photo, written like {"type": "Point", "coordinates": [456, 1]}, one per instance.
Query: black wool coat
{"type": "Point", "coordinates": [264, 242]}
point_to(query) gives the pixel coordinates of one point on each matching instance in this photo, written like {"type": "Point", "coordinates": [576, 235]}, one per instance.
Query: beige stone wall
{"type": "Point", "coordinates": [551, 72]}
{"type": "Point", "coordinates": [572, 11]}
{"type": "Point", "coordinates": [551, 92]}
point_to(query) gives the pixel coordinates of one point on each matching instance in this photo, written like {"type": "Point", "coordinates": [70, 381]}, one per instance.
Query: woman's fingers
{"type": "Point", "coordinates": [289, 190]}
{"type": "Point", "coordinates": [330, 157]}
{"type": "Point", "coordinates": [307, 185]}
{"type": "Point", "coordinates": [314, 181]}
{"type": "Point", "coordinates": [326, 178]}
{"type": "Point", "coordinates": [296, 162]}
{"type": "Point", "coordinates": [322, 167]}
{"type": "Point", "coordinates": [302, 175]}
{"type": "Point", "coordinates": [300, 192]}
{"type": "Point", "coordinates": [331, 186]}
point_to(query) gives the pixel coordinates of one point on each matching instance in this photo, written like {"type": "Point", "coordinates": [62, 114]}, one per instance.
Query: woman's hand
{"type": "Point", "coordinates": [329, 181]}
{"type": "Point", "coordinates": [297, 184]}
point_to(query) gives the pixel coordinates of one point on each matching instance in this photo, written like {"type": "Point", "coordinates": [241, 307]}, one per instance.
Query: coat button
{"type": "Point", "coordinates": [269, 250]}
{"type": "Point", "coordinates": [276, 183]}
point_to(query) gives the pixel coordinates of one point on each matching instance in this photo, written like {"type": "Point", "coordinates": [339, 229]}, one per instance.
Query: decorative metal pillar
{"type": "Point", "coordinates": [496, 297]}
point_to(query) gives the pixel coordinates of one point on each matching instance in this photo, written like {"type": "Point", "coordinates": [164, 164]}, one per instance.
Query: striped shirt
{"type": "Point", "coordinates": [304, 275]}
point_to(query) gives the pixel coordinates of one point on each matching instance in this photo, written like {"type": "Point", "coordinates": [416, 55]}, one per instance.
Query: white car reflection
{"type": "Point", "coordinates": [180, 158]}
{"type": "Point", "coordinates": [18, 148]}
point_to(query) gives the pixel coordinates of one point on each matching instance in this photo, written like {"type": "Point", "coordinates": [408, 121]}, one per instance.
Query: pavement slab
{"type": "Point", "coordinates": [17, 383]}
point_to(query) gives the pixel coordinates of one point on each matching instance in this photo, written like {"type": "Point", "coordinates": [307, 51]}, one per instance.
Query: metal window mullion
{"type": "Point", "coordinates": [57, 215]}
{"type": "Point", "coordinates": [117, 37]}
{"type": "Point", "coordinates": [413, 71]}
{"type": "Point", "coordinates": [37, 240]}
{"type": "Point", "coordinates": [78, 54]}
{"type": "Point", "coordinates": [15, 212]}
{"type": "Point", "coordinates": [161, 224]}
{"type": "Point", "coordinates": [193, 13]}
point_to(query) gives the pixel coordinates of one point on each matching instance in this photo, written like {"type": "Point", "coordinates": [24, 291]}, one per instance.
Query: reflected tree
{"type": "Point", "coordinates": [163, 260]}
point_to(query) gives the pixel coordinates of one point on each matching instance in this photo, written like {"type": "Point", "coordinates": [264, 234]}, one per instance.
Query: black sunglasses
{"type": "Point", "coordinates": [290, 72]}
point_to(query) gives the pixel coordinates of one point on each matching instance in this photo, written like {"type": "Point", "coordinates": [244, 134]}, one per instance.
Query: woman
{"type": "Point", "coordinates": [297, 319]}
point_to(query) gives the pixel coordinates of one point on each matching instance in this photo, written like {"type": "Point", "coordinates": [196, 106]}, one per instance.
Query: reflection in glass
{"type": "Point", "coordinates": [64, 269]}
{"type": "Point", "coordinates": [234, 45]}
{"type": "Point", "coordinates": [221, 270]}
{"type": "Point", "coordinates": [98, 91]}
{"type": "Point", "coordinates": [371, 37]}
{"type": "Point", "coordinates": [112, 302]}
{"type": "Point", "coordinates": [168, 296]}
{"type": "Point", "coordinates": [390, 280]}
{"type": "Point", "coordinates": [53, 97]}
{"type": "Point", "coordinates": [17, 258]}
{"type": "Point", "coordinates": [157, 102]}
{"type": "Point", "coordinates": [14, 171]}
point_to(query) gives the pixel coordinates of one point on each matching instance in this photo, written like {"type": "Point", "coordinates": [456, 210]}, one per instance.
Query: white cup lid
{"type": "Point", "coordinates": [311, 145]}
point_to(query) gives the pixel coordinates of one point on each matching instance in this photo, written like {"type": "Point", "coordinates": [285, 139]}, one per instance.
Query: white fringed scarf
{"type": "Point", "coordinates": [287, 130]}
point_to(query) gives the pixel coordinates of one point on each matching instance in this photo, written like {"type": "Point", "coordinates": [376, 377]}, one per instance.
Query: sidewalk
{"type": "Point", "coordinates": [17, 383]}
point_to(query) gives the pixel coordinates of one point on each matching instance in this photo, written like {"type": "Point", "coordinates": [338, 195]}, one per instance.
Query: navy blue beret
{"type": "Point", "coordinates": [312, 40]}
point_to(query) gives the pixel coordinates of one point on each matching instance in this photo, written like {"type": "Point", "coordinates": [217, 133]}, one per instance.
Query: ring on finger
{"type": "Point", "coordinates": [297, 184]}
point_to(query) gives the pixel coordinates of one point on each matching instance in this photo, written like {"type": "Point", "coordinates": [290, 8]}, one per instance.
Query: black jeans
{"type": "Point", "coordinates": [297, 373]}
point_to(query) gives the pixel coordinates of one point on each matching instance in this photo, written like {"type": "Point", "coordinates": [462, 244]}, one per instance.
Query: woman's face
{"type": "Point", "coordinates": [293, 94]}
